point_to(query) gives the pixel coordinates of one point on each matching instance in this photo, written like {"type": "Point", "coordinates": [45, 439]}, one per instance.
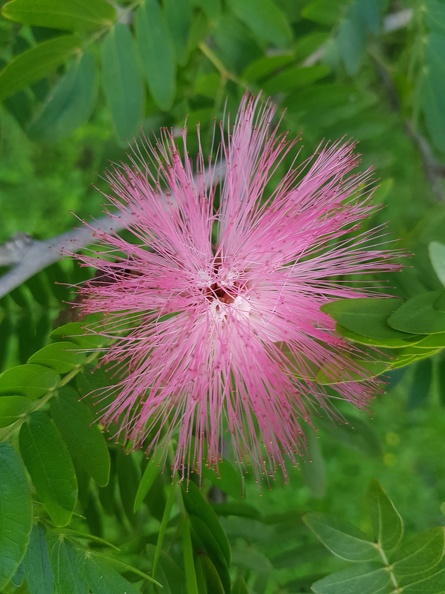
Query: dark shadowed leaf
{"type": "Point", "coordinates": [69, 104]}
{"type": "Point", "coordinates": [227, 478]}
{"type": "Point", "coordinates": [15, 512]}
{"type": "Point", "coordinates": [102, 578]}
{"type": "Point", "coordinates": [211, 576]}
{"type": "Point", "coordinates": [196, 505]}
{"type": "Point", "coordinates": [38, 571]}
{"type": "Point", "coordinates": [421, 383]}
{"type": "Point", "coordinates": [65, 561]}
{"type": "Point", "coordinates": [239, 586]}
{"type": "Point", "coordinates": [49, 464]}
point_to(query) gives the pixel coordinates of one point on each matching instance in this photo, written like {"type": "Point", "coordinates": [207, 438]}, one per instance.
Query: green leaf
{"type": "Point", "coordinates": [418, 315]}
{"type": "Point", "coordinates": [295, 77]}
{"type": "Point", "coordinates": [172, 490]}
{"type": "Point", "coordinates": [324, 12]}
{"type": "Point", "coordinates": [386, 343]}
{"type": "Point", "coordinates": [342, 538]}
{"type": "Point", "coordinates": [82, 435]}
{"type": "Point", "coordinates": [65, 561]}
{"type": "Point", "coordinates": [239, 509]}
{"type": "Point", "coordinates": [102, 578]}
{"type": "Point", "coordinates": [36, 63]}
{"type": "Point", "coordinates": [239, 586]}
{"type": "Point", "coordinates": [157, 53]}
{"type": "Point", "coordinates": [265, 19]}
{"type": "Point", "coordinates": [420, 554]}
{"type": "Point", "coordinates": [212, 8]}
{"type": "Point", "coordinates": [421, 383]}
{"type": "Point", "coordinates": [196, 505]}
{"type": "Point", "coordinates": [15, 513]}
{"type": "Point", "coordinates": [49, 464]}
{"type": "Point", "coordinates": [439, 304]}
{"type": "Point", "coordinates": [363, 579]}
{"type": "Point", "coordinates": [385, 519]}
{"type": "Point", "coordinates": [359, 370]}
{"type": "Point", "coordinates": [437, 257]}
{"type": "Point", "coordinates": [433, 584]}
{"type": "Point", "coordinates": [189, 565]}
{"type": "Point", "coordinates": [12, 408]}
{"type": "Point", "coordinates": [122, 79]}
{"type": "Point", "coordinates": [179, 18]}
{"type": "Point", "coordinates": [205, 541]}
{"type": "Point", "coordinates": [76, 332]}
{"type": "Point", "coordinates": [366, 316]}
{"type": "Point", "coordinates": [70, 15]}
{"type": "Point", "coordinates": [32, 381]}
{"type": "Point", "coordinates": [434, 341]}
{"type": "Point", "coordinates": [266, 66]}
{"type": "Point", "coordinates": [69, 104]}
{"type": "Point", "coordinates": [434, 15]}
{"type": "Point", "coordinates": [211, 576]}
{"type": "Point", "coordinates": [250, 558]}
{"type": "Point", "coordinates": [17, 578]}
{"type": "Point", "coordinates": [128, 477]}
{"type": "Point", "coordinates": [60, 356]}
{"type": "Point", "coordinates": [38, 572]}
{"type": "Point", "coordinates": [431, 93]}
{"type": "Point", "coordinates": [227, 478]}
{"type": "Point", "coordinates": [151, 471]}
{"type": "Point", "coordinates": [235, 44]}
{"type": "Point", "coordinates": [169, 574]}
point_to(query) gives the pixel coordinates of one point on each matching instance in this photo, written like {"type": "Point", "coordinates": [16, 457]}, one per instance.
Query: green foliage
{"type": "Point", "coordinates": [15, 513]}
{"type": "Point", "coordinates": [406, 330]}
{"type": "Point", "coordinates": [157, 53]}
{"type": "Point", "coordinates": [36, 63]}
{"type": "Point", "coordinates": [122, 81]}
{"type": "Point", "coordinates": [380, 563]}
{"type": "Point", "coordinates": [61, 14]}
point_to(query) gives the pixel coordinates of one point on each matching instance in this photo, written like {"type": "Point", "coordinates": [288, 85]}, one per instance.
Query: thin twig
{"type": "Point", "coordinates": [33, 255]}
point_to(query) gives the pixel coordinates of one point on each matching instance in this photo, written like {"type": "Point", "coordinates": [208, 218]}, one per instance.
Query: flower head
{"type": "Point", "coordinates": [215, 303]}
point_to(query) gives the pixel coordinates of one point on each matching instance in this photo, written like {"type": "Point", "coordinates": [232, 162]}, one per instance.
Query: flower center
{"type": "Point", "coordinates": [216, 291]}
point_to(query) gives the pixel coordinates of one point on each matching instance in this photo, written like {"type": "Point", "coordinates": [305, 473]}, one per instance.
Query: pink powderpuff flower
{"type": "Point", "coordinates": [214, 306]}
